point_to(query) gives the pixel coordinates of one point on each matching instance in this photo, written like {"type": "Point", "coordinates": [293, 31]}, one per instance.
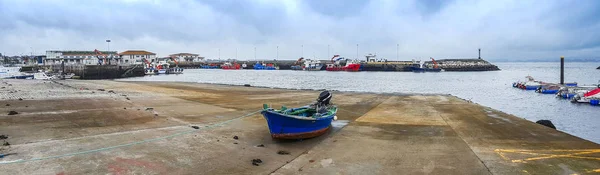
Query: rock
{"type": "Point", "coordinates": [12, 113]}
{"type": "Point", "coordinates": [20, 99]}
{"type": "Point", "coordinates": [127, 98]}
{"type": "Point", "coordinates": [111, 91]}
{"type": "Point", "coordinates": [283, 152]}
{"type": "Point", "coordinates": [149, 109]}
{"type": "Point", "coordinates": [195, 127]}
{"type": "Point", "coordinates": [26, 106]}
{"type": "Point", "coordinates": [7, 104]}
{"type": "Point", "coordinates": [326, 162]}
{"type": "Point", "coordinates": [6, 143]}
{"type": "Point", "coordinates": [261, 145]}
{"type": "Point", "coordinates": [235, 143]}
{"type": "Point", "coordinates": [247, 85]}
{"type": "Point", "coordinates": [311, 161]}
{"type": "Point", "coordinates": [124, 108]}
{"type": "Point", "coordinates": [547, 123]}
{"type": "Point", "coordinates": [101, 90]}
{"type": "Point", "coordinates": [2, 137]}
{"type": "Point", "coordinates": [235, 137]}
{"type": "Point", "coordinates": [256, 162]}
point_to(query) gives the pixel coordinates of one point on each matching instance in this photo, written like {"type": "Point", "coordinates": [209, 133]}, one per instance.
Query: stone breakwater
{"type": "Point", "coordinates": [464, 65]}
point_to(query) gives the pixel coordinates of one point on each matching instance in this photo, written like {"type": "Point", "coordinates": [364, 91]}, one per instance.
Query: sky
{"type": "Point", "coordinates": [289, 29]}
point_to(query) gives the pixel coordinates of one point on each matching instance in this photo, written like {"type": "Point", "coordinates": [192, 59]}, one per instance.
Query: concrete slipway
{"type": "Point", "coordinates": [72, 127]}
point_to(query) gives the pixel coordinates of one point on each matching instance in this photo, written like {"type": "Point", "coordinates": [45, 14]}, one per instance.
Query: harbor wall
{"type": "Point", "coordinates": [464, 65]}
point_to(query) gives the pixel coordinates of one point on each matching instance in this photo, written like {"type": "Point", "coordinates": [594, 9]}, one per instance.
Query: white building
{"type": "Point", "coordinates": [74, 57]}
{"type": "Point", "coordinates": [187, 57]}
{"type": "Point", "coordinates": [136, 56]}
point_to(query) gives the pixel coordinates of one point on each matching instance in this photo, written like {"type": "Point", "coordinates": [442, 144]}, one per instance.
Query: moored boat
{"type": "Point", "coordinates": [351, 65]}
{"type": "Point", "coordinates": [312, 65]}
{"type": "Point", "coordinates": [269, 66]}
{"type": "Point", "coordinates": [588, 96]}
{"type": "Point", "coordinates": [423, 68]}
{"type": "Point", "coordinates": [548, 89]}
{"type": "Point", "coordinates": [303, 122]}
{"type": "Point", "coordinates": [230, 66]}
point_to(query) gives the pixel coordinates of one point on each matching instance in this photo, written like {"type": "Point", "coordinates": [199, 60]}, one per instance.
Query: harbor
{"type": "Point", "coordinates": [148, 128]}
{"type": "Point", "coordinates": [299, 87]}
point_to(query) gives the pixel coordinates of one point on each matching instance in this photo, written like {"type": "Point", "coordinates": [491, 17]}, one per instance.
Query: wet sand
{"type": "Point", "coordinates": [109, 127]}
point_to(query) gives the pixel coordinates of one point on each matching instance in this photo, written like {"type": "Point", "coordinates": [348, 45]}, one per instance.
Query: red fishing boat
{"type": "Point", "coordinates": [351, 65]}
{"type": "Point", "coordinates": [229, 66]}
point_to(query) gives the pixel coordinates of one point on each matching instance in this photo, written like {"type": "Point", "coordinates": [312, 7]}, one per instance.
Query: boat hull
{"type": "Point", "coordinates": [290, 127]}
{"type": "Point", "coordinates": [549, 91]}
{"type": "Point", "coordinates": [20, 77]}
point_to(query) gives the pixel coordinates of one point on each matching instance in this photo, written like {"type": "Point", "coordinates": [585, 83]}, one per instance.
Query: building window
{"type": "Point", "coordinates": [57, 56]}
{"type": "Point", "coordinates": [142, 56]}
{"type": "Point", "coordinates": [126, 61]}
{"type": "Point", "coordinates": [137, 56]}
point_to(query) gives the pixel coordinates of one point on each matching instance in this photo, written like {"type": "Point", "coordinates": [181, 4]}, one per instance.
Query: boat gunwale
{"type": "Point", "coordinates": [325, 117]}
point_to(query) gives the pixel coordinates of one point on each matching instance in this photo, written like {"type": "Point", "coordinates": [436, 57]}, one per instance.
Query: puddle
{"type": "Point", "coordinates": [339, 124]}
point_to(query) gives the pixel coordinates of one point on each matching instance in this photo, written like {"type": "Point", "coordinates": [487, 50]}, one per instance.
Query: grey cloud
{"type": "Point", "coordinates": [504, 29]}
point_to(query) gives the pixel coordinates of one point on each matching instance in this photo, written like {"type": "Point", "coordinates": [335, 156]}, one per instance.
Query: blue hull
{"type": "Point", "coordinates": [595, 102]}
{"type": "Point", "coordinates": [568, 96]}
{"type": "Point", "coordinates": [549, 91]}
{"type": "Point", "coordinates": [294, 127]}
{"type": "Point", "coordinates": [531, 87]}
{"type": "Point", "coordinates": [20, 77]}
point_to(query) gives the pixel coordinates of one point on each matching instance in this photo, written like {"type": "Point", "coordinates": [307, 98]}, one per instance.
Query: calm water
{"type": "Point", "coordinates": [491, 89]}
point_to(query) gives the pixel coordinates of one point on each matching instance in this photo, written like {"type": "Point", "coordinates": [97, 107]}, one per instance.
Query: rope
{"type": "Point", "coordinates": [127, 144]}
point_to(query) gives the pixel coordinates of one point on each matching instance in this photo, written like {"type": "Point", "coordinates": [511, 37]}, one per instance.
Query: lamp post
{"type": "Point", "coordinates": [356, 51]}
{"type": "Point", "coordinates": [397, 52]}
{"type": "Point", "coordinates": [107, 49]}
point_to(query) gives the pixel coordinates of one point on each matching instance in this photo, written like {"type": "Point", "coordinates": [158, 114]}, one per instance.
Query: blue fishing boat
{"type": "Point", "coordinates": [303, 122]}
{"type": "Point", "coordinates": [209, 67]}
{"type": "Point", "coordinates": [259, 66]}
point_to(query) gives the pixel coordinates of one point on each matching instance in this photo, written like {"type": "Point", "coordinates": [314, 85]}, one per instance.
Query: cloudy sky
{"type": "Point", "coordinates": [505, 29]}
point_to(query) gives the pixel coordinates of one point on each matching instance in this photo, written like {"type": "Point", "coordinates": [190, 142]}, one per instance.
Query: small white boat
{"type": "Point", "coordinates": [10, 72]}
{"type": "Point", "coordinates": [41, 76]}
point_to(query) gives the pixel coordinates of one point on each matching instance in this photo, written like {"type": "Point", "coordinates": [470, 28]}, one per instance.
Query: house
{"type": "Point", "coordinates": [74, 57]}
{"type": "Point", "coordinates": [136, 56]}
{"type": "Point", "coordinates": [186, 57]}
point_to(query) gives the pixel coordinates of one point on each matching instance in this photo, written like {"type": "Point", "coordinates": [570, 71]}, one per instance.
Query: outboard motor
{"type": "Point", "coordinates": [324, 98]}
{"type": "Point", "coordinates": [323, 102]}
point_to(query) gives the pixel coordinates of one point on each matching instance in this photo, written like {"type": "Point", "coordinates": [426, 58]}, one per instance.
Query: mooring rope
{"type": "Point", "coordinates": [128, 144]}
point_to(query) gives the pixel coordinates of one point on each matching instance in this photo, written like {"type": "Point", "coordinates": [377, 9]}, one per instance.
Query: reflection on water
{"type": "Point", "coordinates": [491, 89]}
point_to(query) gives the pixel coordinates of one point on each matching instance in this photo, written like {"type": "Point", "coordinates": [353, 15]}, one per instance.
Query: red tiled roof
{"type": "Point", "coordinates": [136, 52]}
{"type": "Point", "coordinates": [184, 54]}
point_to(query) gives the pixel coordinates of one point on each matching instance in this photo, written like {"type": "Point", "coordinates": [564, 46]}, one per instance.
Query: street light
{"type": "Point", "coordinates": [108, 45]}
{"type": "Point", "coordinates": [356, 51]}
